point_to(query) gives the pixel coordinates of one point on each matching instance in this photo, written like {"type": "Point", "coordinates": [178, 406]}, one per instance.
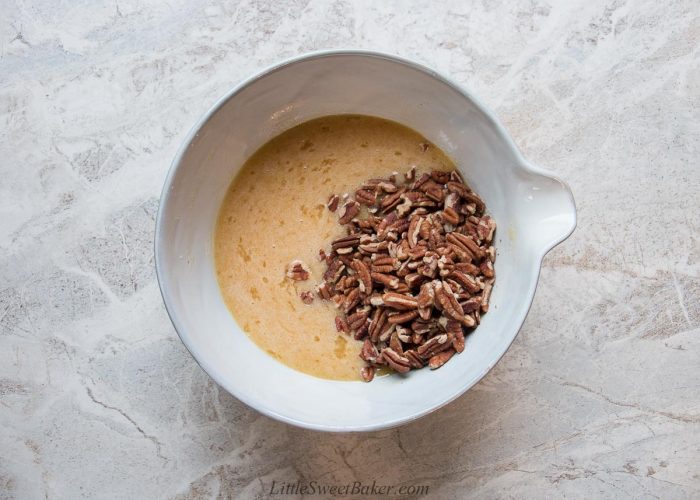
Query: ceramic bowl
{"type": "Point", "coordinates": [534, 212]}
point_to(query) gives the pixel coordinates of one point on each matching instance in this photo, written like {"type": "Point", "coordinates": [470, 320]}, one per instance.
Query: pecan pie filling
{"type": "Point", "coordinates": [406, 262]}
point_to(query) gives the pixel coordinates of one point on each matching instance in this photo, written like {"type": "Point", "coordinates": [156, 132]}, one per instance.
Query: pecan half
{"type": "Point", "coordinates": [445, 301]}
{"type": "Point", "coordinates": [397, 362]}
{"type": "Point", "coordinates": [404, 317]}
{"type": "Point", "coordinates": [369, 351]}
{"type": "Point", "coordinates": [440, 359]}
{"type": "Point", "coordinates": [350, 241]}
{"type": "Point", "coordinates": [455, 328]}
{"type": "Point", "coordinates": [364, 277]}
{"type": "Point", "coordinates": [399, 301]}
{"type": "Point", "coordinates": [366, 197]}
{"type": "Point", "coordinates": [414, 359]}
{"type": "Point", "coordinates": [467, 281]}
{"type": "Point", "coordinates": [435, 345]}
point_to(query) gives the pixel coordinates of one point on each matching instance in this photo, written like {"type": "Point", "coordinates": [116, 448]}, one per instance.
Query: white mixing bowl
{"type": "Point", "coordinates": [534, 212]}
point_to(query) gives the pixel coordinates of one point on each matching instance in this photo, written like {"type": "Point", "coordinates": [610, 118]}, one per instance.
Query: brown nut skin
{"type": "Point", "coordinates": [413, 272]}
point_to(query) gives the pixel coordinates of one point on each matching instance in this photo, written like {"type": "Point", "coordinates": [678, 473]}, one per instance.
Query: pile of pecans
{"type": "Point", "coordinates": [415, 271]}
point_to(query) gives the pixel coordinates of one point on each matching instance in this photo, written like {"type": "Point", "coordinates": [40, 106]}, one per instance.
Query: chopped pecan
{"type": "Point", "coordinates": [417, 252]}
{"type": "Point", "coordinates": [333, 202]}
{"type": "Point", "coordinates": [426, 300]}
{"type": "Point", "coordinates": [366, 197]}
{"type": "Point", "coordinates": [440, 176]}
{"type": "Point", "coordinates": [404, 207]}
{"type": "Point", "coordinates": [458, 188]}
{"type": "Point", "coordinates": [430, 267]}
{"type": "Point", "coordinates": [371, 248]}
{"type": "Point", "coordinates": [395, 343]}
{"type": "Point", "coordinates": [472, 198]}
{"type": "Point", "coordinates": [472, 304]}
{"type": "Point", "coordinates": [298, 271]}
{"type": "Point", "coordinates": [376, 326]}
{"type": "Point", "coordinates": [411, 174]}
{"type": "Point", "coordinates": [485, 228]}
{"type": "Point", "coordinates": [415, 269]}
{"type": "Point", "coordinates": [306, 297]}
{"type": "Point", "coordinates": [387, 186]}
{"type": "Point", "coordinates": [465, 280]}
{"type": "Point", "coordinates": [455, 176]}
{"type": "Point", "coordinates": [449, 304]}
{"type": "Point", "coordinates": [467, 267]}
{"type": "Point", "coordinates": [460, 252]}
{"type": "Point", "coordinates": [450, 215]}
{"type": "Point", "coordinates": [469, 244]}
{"type": "Point", "coordinates": [491, 254]}
{"type": "Point", "coordinates": [385, 279]}
{"type": "Point", "coordinates": [334, 271]}
{"type": "Point", "coordinates": [324, 291]}
{"type": "Point", "coordinates": [452, 202]}
{"type": "Point", "coordinates": [486, 296]}
{"type": "Point", "coordinates": [357, 319]}
{"type": "Point", "coordinates": [367, 373]}
{"type": "Point", "coordinates": [403, 334]}
{"type": "Point", "coordinates": [386, 332]}
{"type": "Point", "coordinates": [391, 201]}
{"type": "Point", "coordinates": [386, 260]}
{"type": "Point", "coordinates": [376, 300]}
{"type": "Point", "coordinates": [346, 242]}
{"type": "Point", "coordinates": [341, 325]}
{"type": "Point", "coordinates": [487, 268]}
{"type": "Point", "coordinates": [382, 269]}
{"type": "Point", "coordinates": [413, 280]}
{"type": "Point", "coordinates": [348, 211]}
{"type": "Point", "coordinates": [352, 299]}
{"type": "Point", "coordinates": [433, 190]}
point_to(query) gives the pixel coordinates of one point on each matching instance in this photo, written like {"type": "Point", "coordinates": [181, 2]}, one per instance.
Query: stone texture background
{"type": "Point", "coordinates": [599, 397]}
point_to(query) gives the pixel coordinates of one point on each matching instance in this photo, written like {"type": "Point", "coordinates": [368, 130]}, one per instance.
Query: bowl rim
{"type": "Point", "coordinates": [158, 242]}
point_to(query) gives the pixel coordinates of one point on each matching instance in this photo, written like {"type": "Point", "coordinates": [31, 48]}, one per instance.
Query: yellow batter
{"type": "Point", "coordinates": [274, 213]}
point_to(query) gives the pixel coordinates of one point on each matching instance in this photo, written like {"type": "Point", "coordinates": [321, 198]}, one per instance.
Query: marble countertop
{"type": "Point", "coordinates": [599, 396]}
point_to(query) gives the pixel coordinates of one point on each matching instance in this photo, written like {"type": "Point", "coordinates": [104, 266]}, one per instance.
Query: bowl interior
{"type": "Point", "coordinates": [533, 213]}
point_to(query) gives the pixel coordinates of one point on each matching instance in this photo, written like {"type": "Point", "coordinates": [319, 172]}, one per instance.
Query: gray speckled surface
{"type": "Point", "coordinates": [598, 397]}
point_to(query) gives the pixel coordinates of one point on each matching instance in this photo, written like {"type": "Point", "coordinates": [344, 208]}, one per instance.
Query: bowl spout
{"type": "Point", "coordinates": [552, 210]}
